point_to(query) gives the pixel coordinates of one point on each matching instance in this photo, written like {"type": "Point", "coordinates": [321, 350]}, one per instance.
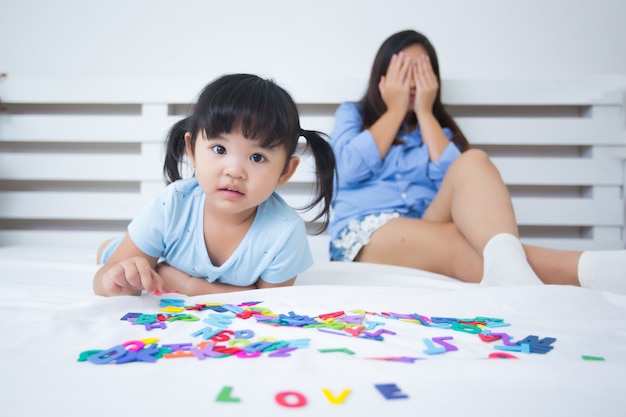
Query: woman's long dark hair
{"type": "Point", "coordinates": [263, 111]}
{"type": "Point", "coordinates": [372, 104]}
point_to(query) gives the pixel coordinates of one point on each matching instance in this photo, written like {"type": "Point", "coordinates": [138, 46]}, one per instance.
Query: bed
{"type": "Point", "coordinates": [408, 359]}
{"type": "Point", "coordinates": [347, 339]}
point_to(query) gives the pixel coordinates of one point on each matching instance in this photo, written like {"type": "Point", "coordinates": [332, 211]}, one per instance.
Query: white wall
{"type": "Point", "coordinates": [321, 39]}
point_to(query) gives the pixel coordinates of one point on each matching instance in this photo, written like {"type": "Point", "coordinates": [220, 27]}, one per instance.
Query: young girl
{"type": "Point", "coordinates": [412, 193]}
{"type": "Point", "coordinates": [224, 229]}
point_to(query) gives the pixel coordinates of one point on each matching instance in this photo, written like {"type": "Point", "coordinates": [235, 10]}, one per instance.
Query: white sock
{"type": "Point", "coordinates": [603, 270]}
{"type": "Point", "coordinates": [505, 262]}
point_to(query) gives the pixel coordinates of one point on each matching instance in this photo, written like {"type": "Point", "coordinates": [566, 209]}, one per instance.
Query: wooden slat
{"type": "Point", "coordinates": [539, 131]}
{"type": "Point", "coordinates": [530, 171]}
{"type": "Point", "coordinates": [548, 91]}
{"type": "Point", "coordinates": [68, 205]}
{"type": "Point", "coordinates": [536, 211]}
{"type": "Point", "coordinates": [571, 91]}
{"type": "Point", "coordinates": [72, 128]}
{"type": "Point", "coordinates": [62, 164]}
{"type": "Point", "coordinates": [45, 167]}
{"type": "Point", "coordinates": [560, 171]}
{"type": "Point", "coordinates": [566, 211]}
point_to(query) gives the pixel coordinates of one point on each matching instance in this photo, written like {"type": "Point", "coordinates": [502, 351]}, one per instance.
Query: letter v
{"type": "Point", "coordinates": [336, 400]}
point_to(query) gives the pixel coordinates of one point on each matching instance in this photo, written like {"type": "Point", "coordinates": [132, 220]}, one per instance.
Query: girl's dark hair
{"type": "Point", "coordinates": [372, 104]}
{"type": "Point", "coordinates": [262, 111]}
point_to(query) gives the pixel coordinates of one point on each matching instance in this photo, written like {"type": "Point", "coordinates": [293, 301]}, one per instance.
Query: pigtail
{"type": "Point", "coordinates": [325, 172]}
{"type": "Point", "coordinates": [175, 151]}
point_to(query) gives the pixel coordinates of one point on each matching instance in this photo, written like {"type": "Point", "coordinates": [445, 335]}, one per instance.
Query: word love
{"type": "Point", "coordinates": [295, 399]}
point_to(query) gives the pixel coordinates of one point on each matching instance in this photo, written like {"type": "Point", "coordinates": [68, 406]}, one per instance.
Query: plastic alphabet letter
{"type": "Point", "coordinates": [219, 320]}
{"type": "Point", "coordinates": [538, 346]}
{"type": "Point", "coordinates": [291, 399]}
{"type": "Point", "coordinates": [379, 332]}
{"type": "Point", "coordinates": [282, 352]}
{"type": "Point", "coordinates": [243, 354]}
{"type": "Point", "coordinates": [175, 302]}
{"type": "Point", "coordinates": [354, 331]}
{"type": "Point", "coordinates": [108, 355]}
{"type": "Point", "coordinates": [257, 347]}
{"type": "Point", "coordinates": [206, 351]}
{"type": "Point", "coordinates": [391, 391]}
{"type": "Point", "coordinates": [224, 396]}
{"type": "Point", "coordinates": [233, 309]}
{"type": "Point", "coordinates": [172, 309]}
{"type": "Point", "coordinates": [299, 343]}
{"type": "Point", "coordinates": [86, 354]}
{"type": "Point", "coordinates": [207, 333]}
{"type": "Point", "coordinates": [130, 316]}
{"type": "Point", "coordinates": [501, 355]}
{"type": "Point", "coordinates": [223, 336]}
{"type": "Point", "coordinates": [370, 325]}
{"type": "Point", "coordinates": [243, 334]}
{"type": "Point", "coordinates": [134, 345]}
{"type": "Point", "coordinates": [158, 325]}
{"type": "Point", "coordinates": [446, 345]}
{"type": "Point", "coordinates": [146, 319]}
{"type": "Point", "coordinates": [336, 400]}
{"type": "Point", "coordinates": [431, 349]}
{"type": "Point", "coordinates": [177, 346]}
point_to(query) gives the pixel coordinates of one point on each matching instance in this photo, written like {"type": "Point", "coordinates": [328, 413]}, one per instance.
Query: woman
{"type": "Point", "coordinates": [412, 193]}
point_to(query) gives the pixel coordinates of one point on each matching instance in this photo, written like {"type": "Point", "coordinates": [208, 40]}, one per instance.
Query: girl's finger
{"type": "Point", "coordinates": [116, 281]}
{"type": "Point", "coordinates": [156, 283]}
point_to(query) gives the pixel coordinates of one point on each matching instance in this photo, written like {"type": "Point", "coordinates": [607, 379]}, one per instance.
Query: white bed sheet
{"type": "Point", "coordinates": [50, 316]}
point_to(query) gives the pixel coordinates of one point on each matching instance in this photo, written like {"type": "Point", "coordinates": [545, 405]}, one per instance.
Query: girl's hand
{"type": "Point", "coordinates": [394, 86]}
{"type": "Point", "coordinates": [131, 276]}
{"type": "Point", "coordinates": [426, 86]}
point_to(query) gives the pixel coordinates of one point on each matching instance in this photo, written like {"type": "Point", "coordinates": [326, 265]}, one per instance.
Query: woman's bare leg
{"type": "Point", "coordinates": [474, 197]}
{"type": "Point", "coordinates": [442, 249]}
{"type": "Point", "coordinates": [469, 232]}
{"type": "Point", "coordinates": [472, 206]}
{"type": "Point", "coordinates": [554, 266]}
{"type": "Point", "coordinates": [430, 246]}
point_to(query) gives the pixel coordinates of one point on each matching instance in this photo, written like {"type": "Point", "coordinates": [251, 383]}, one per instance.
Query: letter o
{"type": "Point", "coordinates": [291, 399]}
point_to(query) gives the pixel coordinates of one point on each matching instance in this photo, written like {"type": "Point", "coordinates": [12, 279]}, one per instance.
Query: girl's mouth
{"type": "Point", "coordinates": [231, 192]}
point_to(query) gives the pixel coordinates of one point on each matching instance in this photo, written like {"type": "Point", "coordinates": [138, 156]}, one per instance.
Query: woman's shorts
{"type": "Point", "coordinates": [357, 234]}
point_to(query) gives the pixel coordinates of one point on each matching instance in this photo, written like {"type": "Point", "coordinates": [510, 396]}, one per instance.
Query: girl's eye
{"type": "Point", "coordinates": [219, 149]}
{"type": "Point", "coordinates": [257, 158]}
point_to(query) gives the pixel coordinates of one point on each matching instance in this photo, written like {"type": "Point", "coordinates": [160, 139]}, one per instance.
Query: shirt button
{"type": "Point", "coordinates": [398, 176]}
{"type": "Point", "coordinates": [403, 195]}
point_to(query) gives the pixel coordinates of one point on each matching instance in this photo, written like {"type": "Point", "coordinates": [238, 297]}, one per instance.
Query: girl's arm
{"type": "Point", "coordinates": [176, 280]}
{"type": "Point", "coordinates": [426, 86]}
{"type": "Point", "coordinates": [127, 272]}
{"type": "Point", "coordinates": [264, 284]}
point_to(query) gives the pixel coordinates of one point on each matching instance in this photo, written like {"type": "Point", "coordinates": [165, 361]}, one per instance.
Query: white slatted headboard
{"type": "Point", "coordinates": [79, 158]}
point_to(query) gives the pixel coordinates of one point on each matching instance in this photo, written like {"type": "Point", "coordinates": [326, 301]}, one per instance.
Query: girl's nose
{"type": "Point", "coordinates": [234, 169]}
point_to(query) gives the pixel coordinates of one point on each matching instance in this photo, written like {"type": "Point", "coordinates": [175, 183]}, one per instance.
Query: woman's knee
{"type": "Point", "coordinates": [473, 157]}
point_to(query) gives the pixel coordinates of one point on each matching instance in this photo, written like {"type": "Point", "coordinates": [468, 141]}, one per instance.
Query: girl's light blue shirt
{"type": "Point", "coordinates": [405, 181]}
{"type": "Point", "coordinates": [171, 227]}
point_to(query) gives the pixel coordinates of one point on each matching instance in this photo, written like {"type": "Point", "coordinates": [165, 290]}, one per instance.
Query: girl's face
{"type": "Point", "coordinates": [237, 174]}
